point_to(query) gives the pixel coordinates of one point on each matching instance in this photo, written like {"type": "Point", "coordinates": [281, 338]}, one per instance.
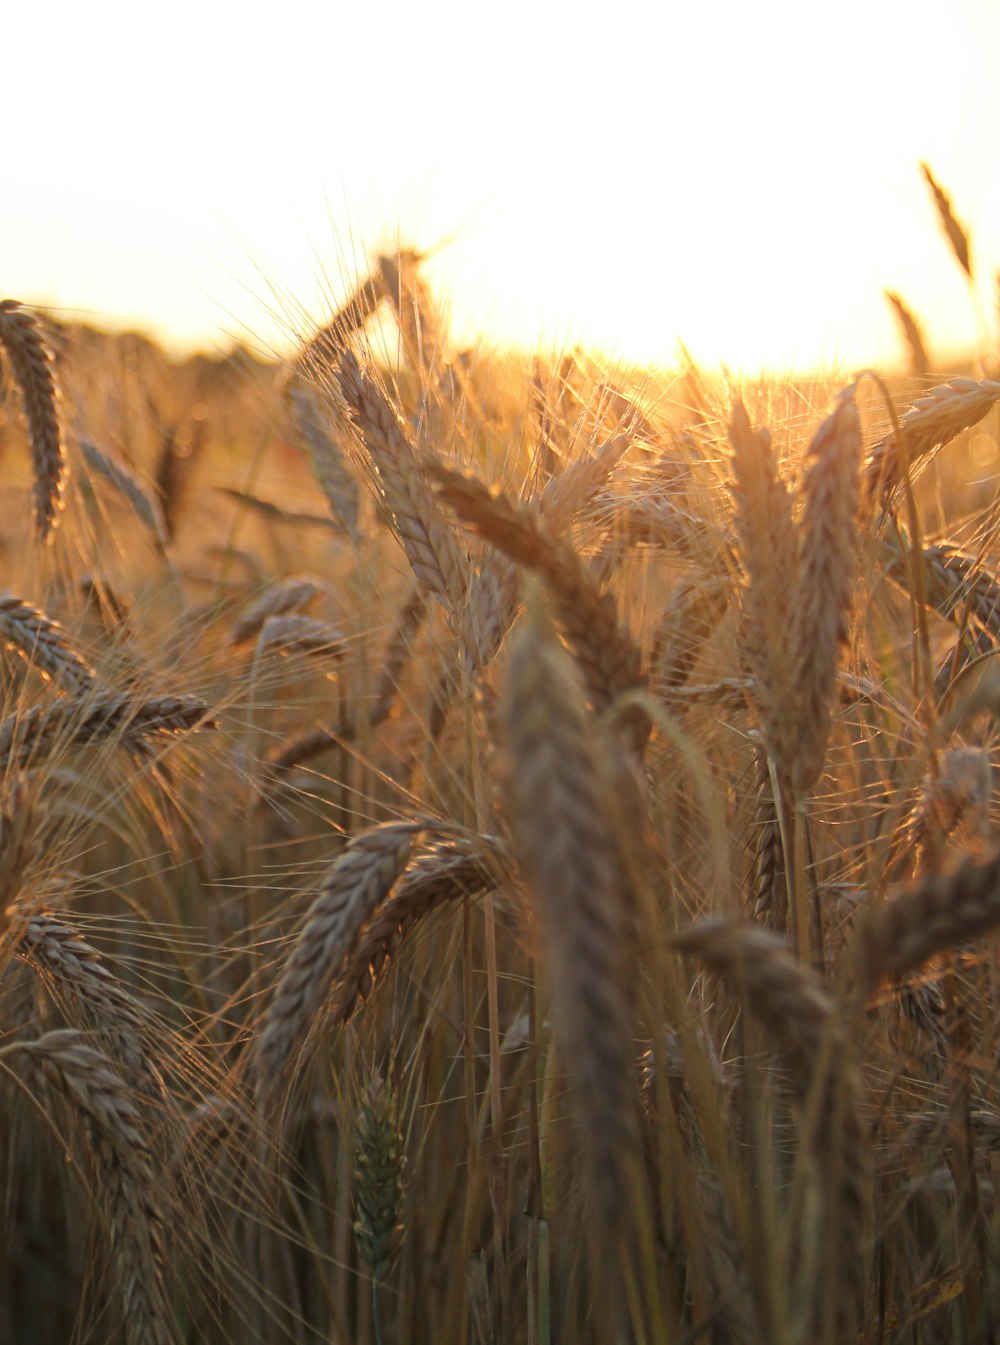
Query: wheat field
{"type": "Point", "coordinates": [495, 850]}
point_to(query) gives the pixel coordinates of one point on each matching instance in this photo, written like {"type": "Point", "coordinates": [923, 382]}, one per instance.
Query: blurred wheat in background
{"type": "Point", "coordinates": [495, 850]}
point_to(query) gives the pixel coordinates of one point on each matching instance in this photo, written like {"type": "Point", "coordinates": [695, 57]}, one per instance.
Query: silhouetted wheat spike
{"type": "Point", "coordinates": [564, 841]}
{"type": "Point", "coordinates": [31, 363]}
{"type": "Point", "coordinates": [828, 577]}
{"type": "Point", "coordinates": [768, 552]}
{"type": "Point", "coordinates": [426, 537]}
{"type": "Point", "coordinates": [955, 582]}
{"type": "Point", "coordinates": [800, 1019]}
{"type": "Point", "coordinates": [912, 335]}
{"type": "Point", "coordinates": [956, 235]}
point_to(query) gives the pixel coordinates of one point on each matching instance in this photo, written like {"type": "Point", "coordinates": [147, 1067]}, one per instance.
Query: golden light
{"type": "Point", "coordinates": [740, 178]}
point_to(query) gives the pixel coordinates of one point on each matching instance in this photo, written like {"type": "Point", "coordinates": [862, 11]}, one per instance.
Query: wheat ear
{"type": "Point", "coordinates": [801, 1020]}
{"type": "Point", "coordinates": [912, 335]}
{"type": "Point", "coordinates": [31, 362]}
{"type": "Point", "coordinates": [449, 872]}
{"type": "Point", "coordinates": [563, 838]}
{"type": "Point", "coordinates": [43, 643]}
{"type": "Point", "coordinates": [27, 736]}
{"type": "Point", "coordinates": [74, 970]}
{"type": "Point", "coordinates": [934, 914]}
{"type": "Point", "coordinates": [768, 552]}
{"type": "Point", "coordinates": [328, 461]}
{"type": "Point", "coordinates": [931, 422]}
{"type": "Point", "coordinates": [828, 574]}
{"type": "Point", "coordinates": [609, 658]}
{"type": "Point", "coordinates": [351, 890]}
{"type": "Point", "coordinates": [128, 1187]}
{"type": "Point", "coordinates": [142, 503]}
{"type": "Point", "coordinates": [956, 235]}
{"type": "Point", "coordinates": [426, 537]}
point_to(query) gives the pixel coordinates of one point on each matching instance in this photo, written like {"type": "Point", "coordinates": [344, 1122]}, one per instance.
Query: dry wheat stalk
{"type": "Point", "coordinates": [426, 537]}
{"type": "Point", "coordinates": [800, 1018]}
{"type": "Point", "coordinates": [448, 872]}
{"type": "Point", "coordinates": [328, 461]}
{"type": "Point", "coordinates": [608, 656]}
{"type": "Point", "coordinates": [563, 838]}
{"type": "Point", "coordinates": [931, 422]}
{"type": "Point", "coordinates": [43, 643]}
{"type": "Point", "coordinates": [31, 363]}
{"type": "Point", "coordinates": [956, 235]}
{"type": "Point", "coordinates": [351, 890]}
{"type": "Point", "coordinates": [768, 550]}
{"type": "Point", "coordinates": [128, 1187]}
{"type": "Point", "coordinates": [129, 487]}
{"type": "Point", "coordinates": [828, 577]}
{"type": "Point", "coordinates": [30, 735]}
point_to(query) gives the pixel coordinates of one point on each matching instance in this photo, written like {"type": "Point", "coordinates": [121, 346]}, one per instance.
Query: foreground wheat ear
{"type": "Point", "coordinates": [32, 366]}
{"type": "Point", "coordinates": [566, 844]}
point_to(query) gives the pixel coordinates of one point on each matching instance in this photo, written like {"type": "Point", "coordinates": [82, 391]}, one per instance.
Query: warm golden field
{"type": "Point", "coordinates": [494, 852]}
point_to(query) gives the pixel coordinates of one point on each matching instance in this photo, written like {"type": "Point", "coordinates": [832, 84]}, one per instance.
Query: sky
{"type": "Point", "coordinates": [742, 178]}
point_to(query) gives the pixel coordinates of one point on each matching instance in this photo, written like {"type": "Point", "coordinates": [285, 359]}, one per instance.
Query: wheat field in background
{"type": "Point", "coordinates": [496, 851]}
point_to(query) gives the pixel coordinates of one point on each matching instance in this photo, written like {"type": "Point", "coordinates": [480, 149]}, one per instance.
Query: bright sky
{"type": "Point", "coordinates": [739, 176]}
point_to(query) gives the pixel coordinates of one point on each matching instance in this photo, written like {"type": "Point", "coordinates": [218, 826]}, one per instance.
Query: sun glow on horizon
{"type": "Point", "coordinates": [744, 182]}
